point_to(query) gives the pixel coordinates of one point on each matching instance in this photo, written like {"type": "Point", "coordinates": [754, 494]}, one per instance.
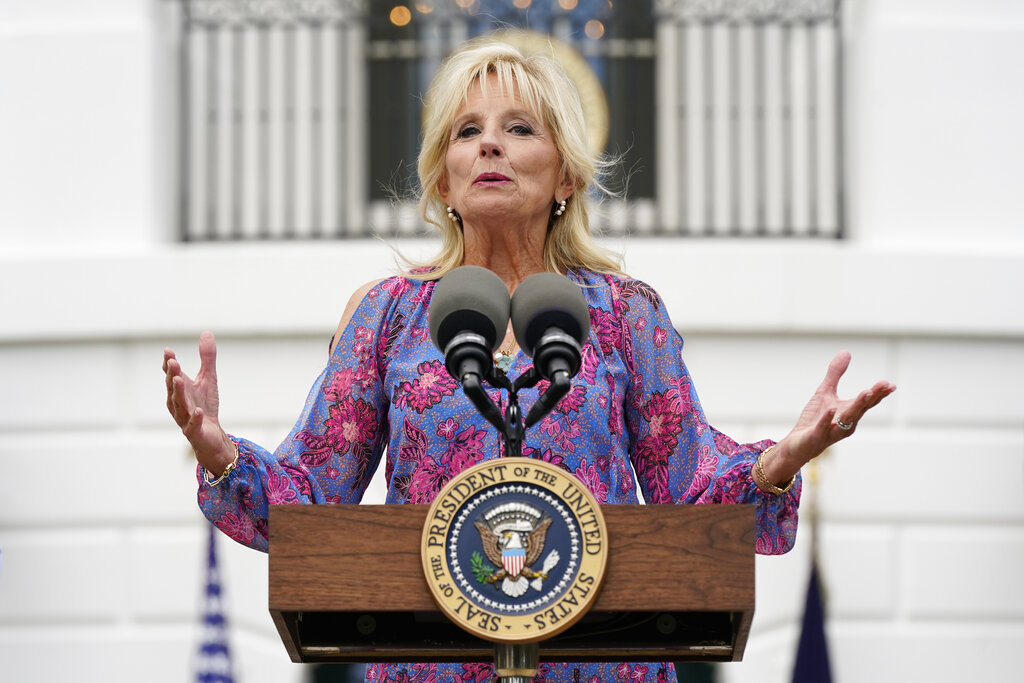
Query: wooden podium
{"type": "Point", "coordinates": [347, 585]}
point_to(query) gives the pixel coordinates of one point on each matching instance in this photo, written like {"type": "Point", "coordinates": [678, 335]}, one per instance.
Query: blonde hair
{"type": "Point", "coordinates": [549, 93]}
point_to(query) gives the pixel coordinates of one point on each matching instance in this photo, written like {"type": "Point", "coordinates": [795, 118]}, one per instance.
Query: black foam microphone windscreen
{"type": "Point", "coordinates": [548, 300]}
{"type": "Point", "coordinates": [469, 299]}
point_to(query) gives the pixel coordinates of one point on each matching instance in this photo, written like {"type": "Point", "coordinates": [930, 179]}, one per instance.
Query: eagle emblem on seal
{"type": "Point", "coordinates": [512, 535]}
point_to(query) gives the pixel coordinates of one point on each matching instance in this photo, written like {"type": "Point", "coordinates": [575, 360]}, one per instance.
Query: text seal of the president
{"type": "Point", "coordinates": [514, 550]}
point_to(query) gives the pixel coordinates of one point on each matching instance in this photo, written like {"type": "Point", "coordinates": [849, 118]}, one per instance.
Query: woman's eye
{"type": "Point", "coordinates": [522, 129]}
{"type": "Point", "coordinates": [468, 131]}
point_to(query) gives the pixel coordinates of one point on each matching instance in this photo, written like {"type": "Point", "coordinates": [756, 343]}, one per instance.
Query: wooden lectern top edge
{"type": "Point", "coordinates": [661, 557]}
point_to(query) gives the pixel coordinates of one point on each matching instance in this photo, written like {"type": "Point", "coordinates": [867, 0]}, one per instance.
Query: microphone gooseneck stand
{"type": "Point", "coordinates": [512, 425]}
{"type": "Point", "coordinates": [518, 662]}
{"type": "Point", "coordinates": [469, 311]}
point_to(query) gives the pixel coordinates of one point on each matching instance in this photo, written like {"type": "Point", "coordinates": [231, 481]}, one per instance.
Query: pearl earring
{"type": "Point", "coordinates": [561, 208]}
{"type": "Point", "coordinates": [452, 216]}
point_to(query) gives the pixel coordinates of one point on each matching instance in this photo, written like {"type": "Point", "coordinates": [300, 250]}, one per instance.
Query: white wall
{"type": "Point", "coordinates": [922, 513]}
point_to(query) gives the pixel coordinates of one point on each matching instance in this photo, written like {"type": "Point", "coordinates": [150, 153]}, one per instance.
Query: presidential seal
{"type": "Point", "coordinates": [514, 550]}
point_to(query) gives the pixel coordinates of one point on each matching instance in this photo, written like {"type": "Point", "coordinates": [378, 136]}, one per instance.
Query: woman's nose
{"type": "Point", "coordinates": [490, 146]}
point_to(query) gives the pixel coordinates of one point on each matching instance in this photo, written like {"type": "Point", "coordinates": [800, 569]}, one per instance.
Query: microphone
{"type": "Point", "coordinates": [550, 320]}
{"type": "Point", "coordinates": [468, 316]}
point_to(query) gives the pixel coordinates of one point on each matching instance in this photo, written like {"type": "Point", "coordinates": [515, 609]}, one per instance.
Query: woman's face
{"type": "Point", "coordinates": [501, 160]}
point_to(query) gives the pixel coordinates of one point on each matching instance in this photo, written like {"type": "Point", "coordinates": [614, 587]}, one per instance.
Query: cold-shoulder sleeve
{"type": "Point", "coordinates": [677, 455]}
{"type": "Point", "coordinates": [332, 451]}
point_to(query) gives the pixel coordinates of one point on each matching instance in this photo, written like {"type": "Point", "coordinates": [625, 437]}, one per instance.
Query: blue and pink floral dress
{"type": "Point", "coordinates": [631, 419]}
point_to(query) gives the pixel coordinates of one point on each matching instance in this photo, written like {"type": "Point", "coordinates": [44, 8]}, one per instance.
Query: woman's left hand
{"type": "Point", "coordinates": [825, 420]}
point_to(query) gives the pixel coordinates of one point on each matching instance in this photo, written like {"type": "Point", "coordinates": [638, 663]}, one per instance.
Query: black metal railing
{"type": "Point", "coordinates": [299, 118]}
{"type": "Point", "coordinates": [272, 118]}
{"type": "Point", "coordinates": [750, 105]}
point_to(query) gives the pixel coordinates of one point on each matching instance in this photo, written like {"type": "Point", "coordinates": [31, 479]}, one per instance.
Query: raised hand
{"type": "Point", "coordinates": [825, 420]}
{"type": "Point", "coordinates": [195, 404]}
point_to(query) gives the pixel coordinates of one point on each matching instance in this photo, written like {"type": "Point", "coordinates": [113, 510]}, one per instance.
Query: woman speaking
{"type": "Point", "coordinates": [505, 170]}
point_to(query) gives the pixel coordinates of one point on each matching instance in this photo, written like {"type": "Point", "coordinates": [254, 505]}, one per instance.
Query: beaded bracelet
{"type": "Point", "coordinates": [227, 470]}
{"type": "Point", "coordinates": [761, 479]}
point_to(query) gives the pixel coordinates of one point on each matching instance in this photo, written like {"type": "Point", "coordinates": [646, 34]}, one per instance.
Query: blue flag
{"type": "Point", "coordinates": [812, 655]}
{"type": "Point", "coordinates": [214, 661]}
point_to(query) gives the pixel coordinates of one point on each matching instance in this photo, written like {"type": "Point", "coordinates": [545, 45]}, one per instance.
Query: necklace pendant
{"type": "Point", "coordinates": [503, 361]}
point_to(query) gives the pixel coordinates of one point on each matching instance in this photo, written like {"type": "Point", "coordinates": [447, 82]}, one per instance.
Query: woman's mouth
{"type": "Point", "coordinates": [491, 179]}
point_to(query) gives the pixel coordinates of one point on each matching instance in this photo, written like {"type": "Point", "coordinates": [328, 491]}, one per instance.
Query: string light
{"type": "Point", "coordinates": [594, 29]}
{"type": "Point", "coordinates": [568, 5]}
{"type": "Point", "coordinates": [400, 15]}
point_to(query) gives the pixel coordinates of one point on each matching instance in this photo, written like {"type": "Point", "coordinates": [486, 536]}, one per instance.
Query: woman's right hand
{"type": "Point", "coordinates": [195, 403]}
